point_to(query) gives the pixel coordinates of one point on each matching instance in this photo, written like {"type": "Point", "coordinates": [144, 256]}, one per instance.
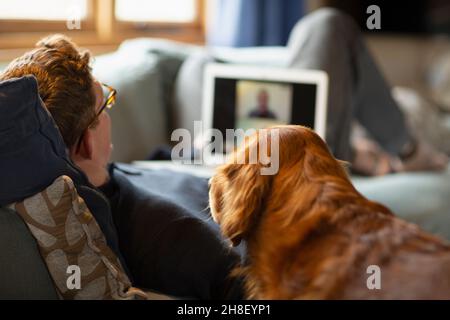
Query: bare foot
{"type": "Point", "coordinates": [369, 159]}
{"type": "Point", "coordinates": [425, 158]}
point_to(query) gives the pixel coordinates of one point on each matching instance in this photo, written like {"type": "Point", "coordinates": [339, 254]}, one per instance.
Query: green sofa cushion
{"type": "Point", "coordinates": [143, 72]}
{"type": "Point", "coordinates": [23, 273]}
{"type": "Point", "coordinates": [422, 198]}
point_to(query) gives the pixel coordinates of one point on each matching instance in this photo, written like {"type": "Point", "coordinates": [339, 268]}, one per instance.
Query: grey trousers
{"type": "Point", "coordinates": [329, 40]}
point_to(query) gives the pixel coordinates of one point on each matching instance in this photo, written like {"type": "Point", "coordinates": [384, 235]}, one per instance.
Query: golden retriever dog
{"type": "Point", "coordinates": [311, 235]}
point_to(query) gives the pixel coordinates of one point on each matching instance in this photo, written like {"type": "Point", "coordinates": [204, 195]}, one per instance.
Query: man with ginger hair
{"type": "Point", "coordinates": [166, 247]}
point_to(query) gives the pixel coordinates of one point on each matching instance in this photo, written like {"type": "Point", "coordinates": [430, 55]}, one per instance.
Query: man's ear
{"type": "Point", "coordinates": [84, 149]}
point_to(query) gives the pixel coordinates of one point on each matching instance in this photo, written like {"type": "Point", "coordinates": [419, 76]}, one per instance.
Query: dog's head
{"type": "Point", "coordinates": [239, 193]}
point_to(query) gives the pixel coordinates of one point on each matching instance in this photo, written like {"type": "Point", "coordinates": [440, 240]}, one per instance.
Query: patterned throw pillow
{"type": "Point", "coordinates": [70, 239]}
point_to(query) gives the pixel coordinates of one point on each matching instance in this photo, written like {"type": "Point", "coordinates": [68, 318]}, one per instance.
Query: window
{"type": "Point", "coordinates": [43, 9]}
{"type": "Point", "coordinates": [101, 22]}
{"type": "Point", "coordinates": [156, 10]}
{"type": "Point", "coordinates": [20, 17]}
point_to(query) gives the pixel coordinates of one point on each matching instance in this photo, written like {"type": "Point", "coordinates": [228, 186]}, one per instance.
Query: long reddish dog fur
{"type": "Point", "coordinates": [311, 235]}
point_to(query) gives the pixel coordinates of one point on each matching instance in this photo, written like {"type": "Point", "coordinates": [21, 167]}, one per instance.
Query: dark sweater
{"type": "Point", "coordinates": [170, 245]}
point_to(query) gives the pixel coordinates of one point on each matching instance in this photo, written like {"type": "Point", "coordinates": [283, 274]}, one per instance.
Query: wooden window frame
{"type": "Point", "coordinates": [30, 25]}
{"type": "Point", "coordinates": [100, 28]}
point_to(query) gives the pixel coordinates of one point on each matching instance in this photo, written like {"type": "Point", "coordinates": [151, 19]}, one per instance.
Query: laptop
{"type": "Point", "coordinates": [256, 97]}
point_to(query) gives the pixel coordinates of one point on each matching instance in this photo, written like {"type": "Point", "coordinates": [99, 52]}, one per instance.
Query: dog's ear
{"type": "Point", "coordinates": [216, 184]}
{"type": "Point", "coordinates": [244, 191]}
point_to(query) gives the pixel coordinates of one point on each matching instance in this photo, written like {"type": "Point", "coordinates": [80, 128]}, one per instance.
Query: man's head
{"type": "Point", "coordinates": [73, 97]}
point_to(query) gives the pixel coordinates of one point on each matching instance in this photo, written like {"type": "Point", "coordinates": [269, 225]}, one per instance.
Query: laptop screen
{"type": "Point", "coordinates": [253, 97]}
{"type": "Point", "coordinates": [248, 103]}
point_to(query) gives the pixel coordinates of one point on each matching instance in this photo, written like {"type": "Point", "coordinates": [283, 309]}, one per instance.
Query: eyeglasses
{"type": "Point", "coordinates": [110, 94]}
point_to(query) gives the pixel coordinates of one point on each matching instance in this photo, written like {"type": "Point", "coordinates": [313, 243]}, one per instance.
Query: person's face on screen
{"type": "Point", "coordinates": [263, 100]}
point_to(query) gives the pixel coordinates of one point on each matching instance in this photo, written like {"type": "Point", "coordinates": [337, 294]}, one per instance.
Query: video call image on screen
{"type": "Point", "coordinates": [261, 105]}
{"type": "Point", "coordinates": [252, 104]}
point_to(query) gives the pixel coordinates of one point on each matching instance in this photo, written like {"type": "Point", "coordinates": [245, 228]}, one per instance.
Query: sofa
{"type": "Point", "coordinates": [176, 69]}
{"type": "Point", "coordinates": [154, 79]}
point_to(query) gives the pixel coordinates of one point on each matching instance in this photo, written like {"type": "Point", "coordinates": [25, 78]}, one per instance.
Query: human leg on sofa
{"type": "Point", "coordinates": [330, 40]}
